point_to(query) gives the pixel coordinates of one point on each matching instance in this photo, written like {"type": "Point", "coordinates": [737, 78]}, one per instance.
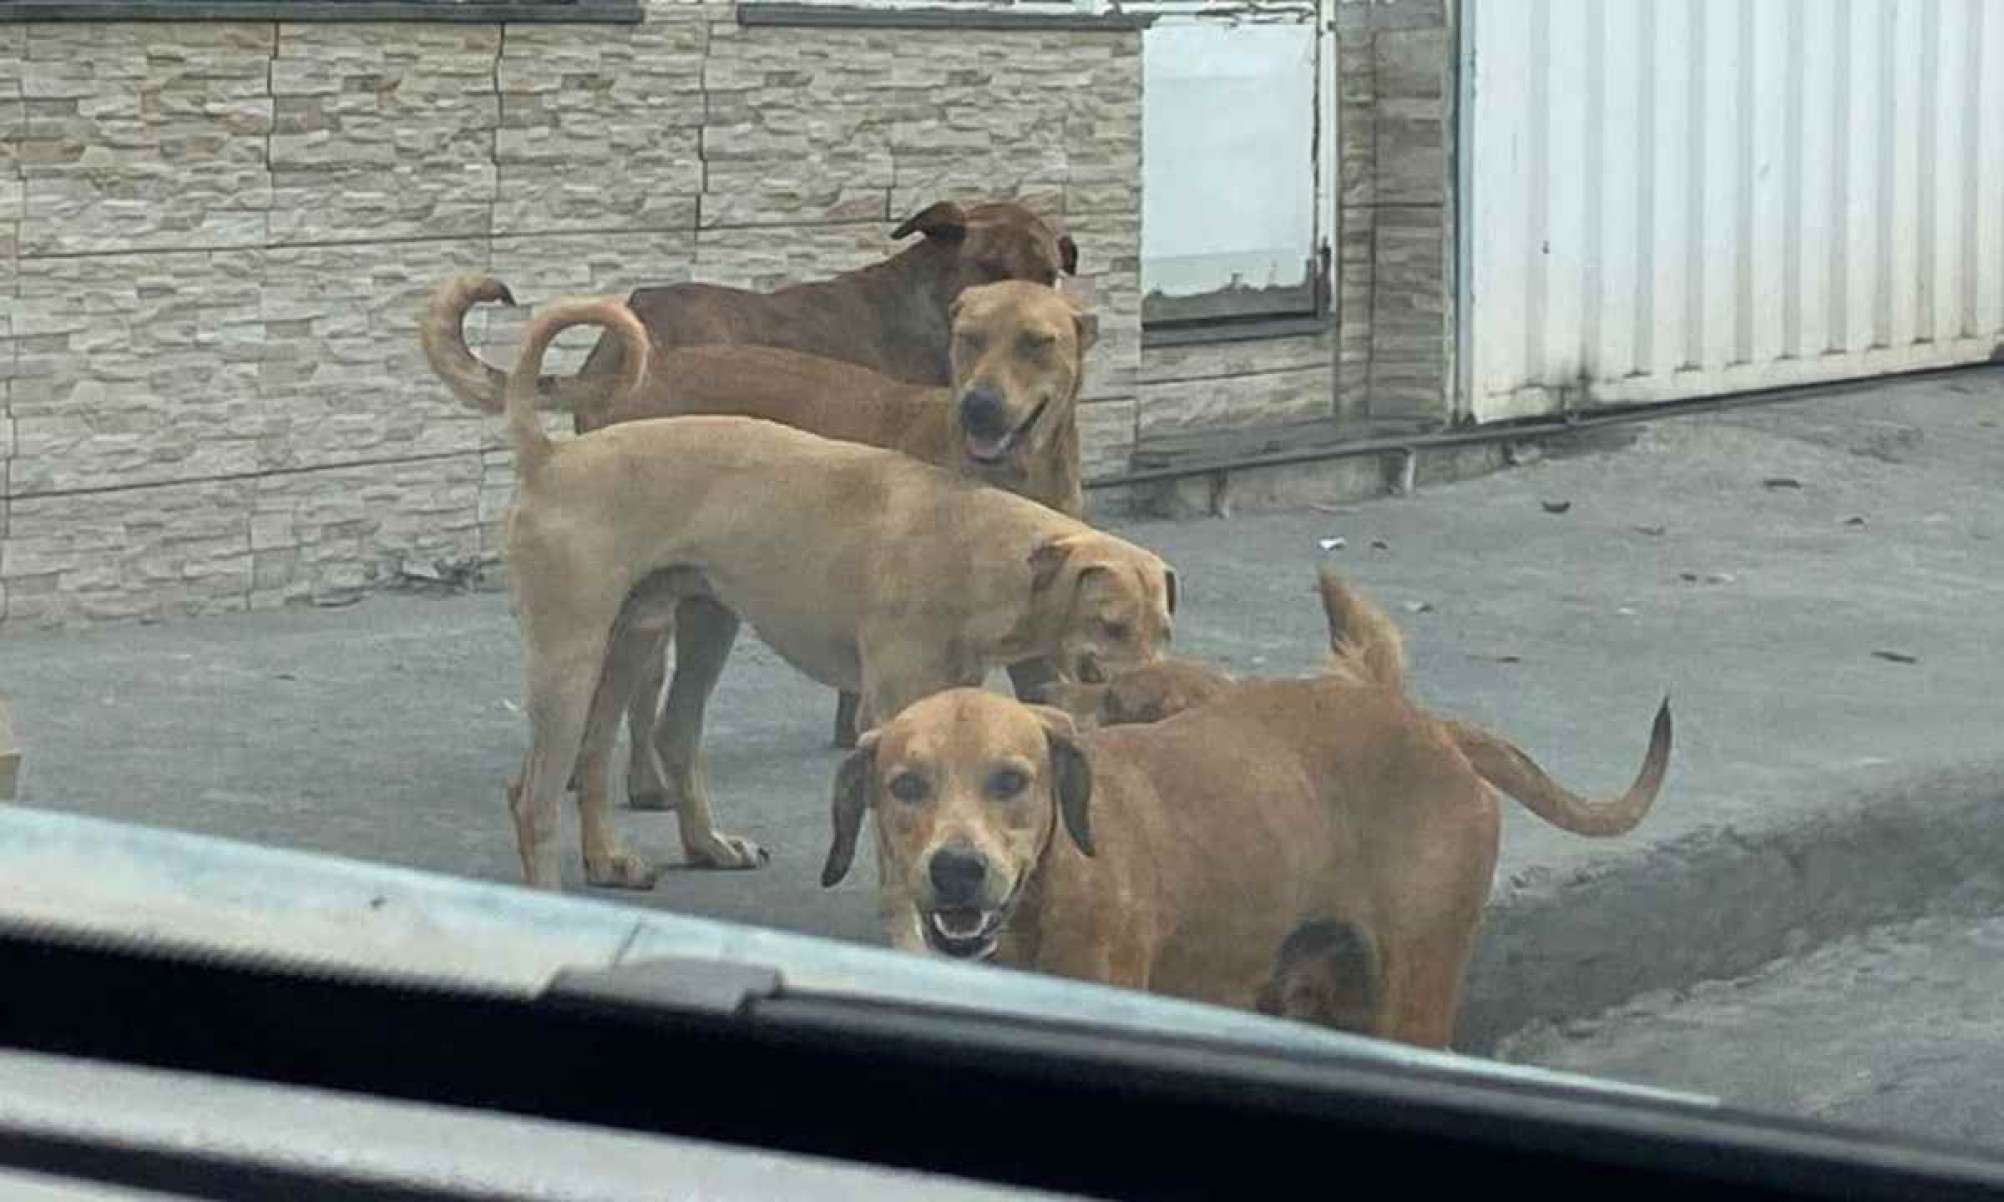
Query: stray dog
{"type": "Point", "coordinates": [864, 568]}
{"type": "Point", "coordinates": [1192, 847]}
{"type": "Point", "coordinates": [891, 317]}
{"type": "Point", "coordinates": [1010, 420]}
{"type": "Point", "coordinates": [1163, 688]}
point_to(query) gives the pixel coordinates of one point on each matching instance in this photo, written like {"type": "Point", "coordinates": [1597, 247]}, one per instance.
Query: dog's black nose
{"type": "Point", "coordinates": [957, 874]}
{"type": "Point", "coordinates": [981, 413]}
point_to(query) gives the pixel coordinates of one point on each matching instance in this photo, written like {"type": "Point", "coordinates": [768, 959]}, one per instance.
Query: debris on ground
{"type": "Point", "coordinates": [1556, 506]}
{"type": "Point", "coordinates": [1781, 482]}
{"type": "Point", "coordinates": [1898, 657]}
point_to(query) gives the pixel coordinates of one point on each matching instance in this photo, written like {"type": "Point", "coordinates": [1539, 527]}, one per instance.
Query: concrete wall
{"type": "Point", "coordinates": [215, 239]}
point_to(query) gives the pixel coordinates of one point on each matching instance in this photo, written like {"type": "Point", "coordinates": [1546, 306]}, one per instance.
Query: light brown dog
{"type": "Point", "coordinates": [1010, 419]}
{"type": "Point", "coordinates": [862, 567]}
{"type": "Point", "coordinates": [1165, 687]}
{"type": "Point", "coordinates": [891, 316]}
{"type": "Point", "coordinates": [1195, 846]}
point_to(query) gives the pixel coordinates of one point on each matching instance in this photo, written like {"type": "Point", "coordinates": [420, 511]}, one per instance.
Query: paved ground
{"type": "Point", "coordinates": [1900, 1028]}
{"type": "Point", "coordinates": [1755, 566]}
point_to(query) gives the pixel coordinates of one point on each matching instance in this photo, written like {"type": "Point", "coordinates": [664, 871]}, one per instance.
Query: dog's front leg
{"type": "Point", "coordinates": [1031, 678]}
{"type": "Point", "coordinates": [704, 632]}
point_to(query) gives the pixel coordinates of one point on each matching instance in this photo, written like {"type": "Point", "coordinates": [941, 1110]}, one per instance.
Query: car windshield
{"type": "Point", "coordinates": [1471, 524]}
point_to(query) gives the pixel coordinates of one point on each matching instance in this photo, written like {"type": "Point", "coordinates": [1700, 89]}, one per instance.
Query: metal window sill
{"type": "Point", "coordinates": [1241, 330]}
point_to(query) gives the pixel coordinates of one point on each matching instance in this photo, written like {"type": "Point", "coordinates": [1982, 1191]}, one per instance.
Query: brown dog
{"type": "Point", "coordinates": [1194, 846]}
{"type": "Point", "coordinates": [864, 568]}
{"type": "Point", "coordinates": [891, 317]}
{"type": "Point", "coordinates": [1165, 687]}
{"type": "Point", "coordinates": [1010, 420]}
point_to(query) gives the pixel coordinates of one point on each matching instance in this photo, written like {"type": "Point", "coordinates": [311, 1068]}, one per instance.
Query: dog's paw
{"type": "Point", "coordinates": [622, 870]}
{"type": "Point", "coordinates": [728, 851]}
{"type": "Point", "coordinates": [649, 799]}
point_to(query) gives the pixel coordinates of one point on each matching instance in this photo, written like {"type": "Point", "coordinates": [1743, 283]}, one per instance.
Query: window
{"type": "Point", "coordinates": [1228, 224]}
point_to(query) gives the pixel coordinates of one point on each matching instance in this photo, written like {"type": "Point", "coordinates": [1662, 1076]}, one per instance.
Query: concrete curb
{"type": "Point", "coordinates": [1720, 902]}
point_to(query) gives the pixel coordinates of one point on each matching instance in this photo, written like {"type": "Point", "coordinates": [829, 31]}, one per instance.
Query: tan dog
{"type": "Point", "coordinates": [1010, 419]}
{"type": "Point", "coordinates": [1163, 688]}
{"type": "Point", "coordinates": [1195, 846]}
{"type": "Point", "coordinates": [891, 317]}
{"type": "Point", "coordinates": [864, 568]}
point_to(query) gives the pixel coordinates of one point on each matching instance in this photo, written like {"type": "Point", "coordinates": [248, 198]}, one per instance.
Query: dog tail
{"type": "Point", "coordinates": [1362, 638]}
{"type": "Point", "coordinates": [1502, 764]}
{"type": "Point", "coordinates": [532, 446]}
{"type": "Point", "coordinates": [442, 333]}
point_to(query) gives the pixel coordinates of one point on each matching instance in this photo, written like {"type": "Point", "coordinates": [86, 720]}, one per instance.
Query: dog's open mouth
{"type": "Point", "coordinates": [963, 932]}
{"type": "Point", "coordinates": [994, 450]}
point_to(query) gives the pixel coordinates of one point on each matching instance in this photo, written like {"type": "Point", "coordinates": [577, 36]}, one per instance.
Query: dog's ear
{"type": "Point", "coordinates": [1169, 583]}
{"type": "Point", "coordinates": [943, 220]}
{"type": "Point", "coordinates": [1071, 774]}
{"type": "Point", "coordinates": [854, 782]}
{"type": "Point", "coordinates": [1049, 559]}
{"type": "Point", "coordinates": [1087, 326]}
{"type": "Point", "coordinates": [1068, 254]}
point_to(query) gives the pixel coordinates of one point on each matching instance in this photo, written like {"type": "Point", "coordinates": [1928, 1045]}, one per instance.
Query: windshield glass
{"type": "Point", "coordinates": [1473, 524]}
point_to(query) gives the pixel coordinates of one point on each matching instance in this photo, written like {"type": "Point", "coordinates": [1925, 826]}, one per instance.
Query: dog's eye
{"type": "Point", "coordinates": [909, 787]}
{"type": "Point", "coordinates": [1007, 783]}
{"type": "Point", "coordinates": [1036, 342]}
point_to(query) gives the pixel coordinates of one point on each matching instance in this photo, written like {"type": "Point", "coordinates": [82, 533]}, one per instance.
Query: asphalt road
{"type": "Point", "coordinates": [1899, 1028]}
{"type": "Point", "coordinates": [386, 729]}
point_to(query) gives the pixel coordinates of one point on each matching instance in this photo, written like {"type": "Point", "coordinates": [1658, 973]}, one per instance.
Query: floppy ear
{"type": "Point", "coordinates": [1169, 583]}
{"type": "Point", "coordinates": [854, 781]}
{"type": "Point", "coordinates": [944, 220]}
{"type": "Point", "coordinates": [1071, 774]}
{"type": "Point", "coordinates": [1068, 254]}
{"type": "Point", "coordinates": [1048, 559]}
{"type": "Point", "coordinates": [1087, 325]}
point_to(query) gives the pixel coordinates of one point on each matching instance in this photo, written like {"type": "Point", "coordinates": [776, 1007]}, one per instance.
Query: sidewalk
{"type": "Point", "coordinates": [1754, 566]}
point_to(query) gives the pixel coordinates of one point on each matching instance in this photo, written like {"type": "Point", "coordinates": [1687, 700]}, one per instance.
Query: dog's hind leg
{"type": "Point", "coordinates": [564, 664]}
{"type": "Point", "coordinates": [646, 784]}
{"type": "Point", "coordinates": [607, 860]}
{"type": "Point", "coordinates": [704, 632]}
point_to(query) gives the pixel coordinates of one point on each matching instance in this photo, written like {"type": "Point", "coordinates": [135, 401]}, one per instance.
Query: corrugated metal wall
{"type": "Point", "coordinates": [1668, 198]}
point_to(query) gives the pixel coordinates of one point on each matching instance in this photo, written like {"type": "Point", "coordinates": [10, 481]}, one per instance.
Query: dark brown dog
{"type": "Point", "coordinates": [891, 317]}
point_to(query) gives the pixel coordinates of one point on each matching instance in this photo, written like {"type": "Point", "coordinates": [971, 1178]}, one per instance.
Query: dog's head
{"type": "Point", "coordinates": [969, 789]}
{"type": "Point", "coordinates": [1102, 604]}
{"type": "Point", "coordinates": [1325, 973]}
{"type": "Point", "coordinates": [1000, 240]}
{"type": "Point", "coordinates": [1018, 352]}
{"type": "Point", "coordinates": [1140, 694]}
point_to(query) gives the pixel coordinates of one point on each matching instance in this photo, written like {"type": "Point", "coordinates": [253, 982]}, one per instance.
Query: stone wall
{"type": "Point", "coordinates": [215, 239]}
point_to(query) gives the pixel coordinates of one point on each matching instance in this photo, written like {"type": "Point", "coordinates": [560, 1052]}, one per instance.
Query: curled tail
{"type": "Point", "coordinates": [1364, 641]}
{"type": "Point", "coordinates": [442, 333]}
{"type": "Point", "coordinates": [1362, 638]}
{"type": "Point", "coordinates": [532, 446]}
{"type": "Point", "coordinates": [1502, 764]}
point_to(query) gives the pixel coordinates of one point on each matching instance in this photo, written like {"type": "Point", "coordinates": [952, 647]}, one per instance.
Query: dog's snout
{"type": "Point", "coordinates": [1090, 671]}
{"type": "Point", "coordinates": [957, 874]}
{"type": "Point", "coordinates": [981, 412]}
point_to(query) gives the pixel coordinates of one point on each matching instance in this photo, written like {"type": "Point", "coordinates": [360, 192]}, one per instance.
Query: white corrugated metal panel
{"type": "Point", "coordinates": [1670, 198]}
